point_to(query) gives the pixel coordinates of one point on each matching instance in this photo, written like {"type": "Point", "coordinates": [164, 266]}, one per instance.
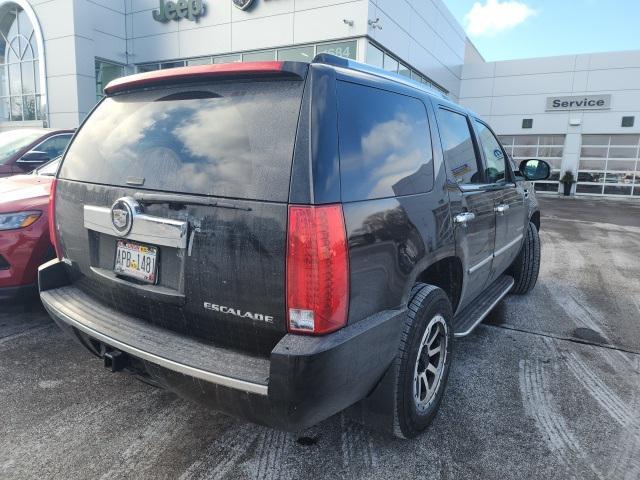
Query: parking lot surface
{"type": "Point", "coordinates": [548, 387]}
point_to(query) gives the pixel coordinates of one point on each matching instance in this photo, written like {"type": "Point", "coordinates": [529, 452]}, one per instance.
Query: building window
{"type": "Point", "coordinates": [302, 53]}
{"type": "Point", "coordinates": [341, 49]}
{"type": "Point", "coordinates": [199, 61]}
{"type": "Point", "coordinates": [19, 69]}
{"type": "Point", "coordinates": [609, 165]}
{"type": "Point", "coordinates": [147, 67]}
{"type": "Point", "coordinates": [305, 53]}
{"type": "Point", "coordinates": [150, 67]}
{"type": "Point", "coordinates": [390, 64]}
{"type": "Point", "coordinates": [176, 64]}
{"type": "Point", "coordinates": [105, 72]}
{"type": "Point", "coordinates": [375, 56]}
{"type": "Point", "coordinates": [527, 123]}
{"type": "Point", "coordinates": [296, 54]}
{"type": "Point", "coordinates": [262, 56]}
{"type": "Point", "coordinates": [404, 70]}
{"type": "Point", "coordinates": [628, 121]}
{"type": "Point", "coordinates": [381, 59]}
{"type": "Point", "coordinates": [227, 58]}
{"type": "Point", "coordinates": [549, 148]}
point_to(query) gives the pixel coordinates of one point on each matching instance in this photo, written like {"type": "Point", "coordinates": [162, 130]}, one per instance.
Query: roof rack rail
{"type": "Point", "coordinates": [335, 61]}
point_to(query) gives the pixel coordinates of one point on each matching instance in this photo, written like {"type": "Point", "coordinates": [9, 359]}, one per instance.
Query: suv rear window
{"type": "Point", "coordinates": [385, 143]}
{"type": "Point", "coordinates": [226, 139]}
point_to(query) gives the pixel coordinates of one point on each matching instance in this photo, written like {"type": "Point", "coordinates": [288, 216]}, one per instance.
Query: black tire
{"type": "Point", "coordinates": [428, 304]}
{"type": "Point", "coordinates": [526, 266]}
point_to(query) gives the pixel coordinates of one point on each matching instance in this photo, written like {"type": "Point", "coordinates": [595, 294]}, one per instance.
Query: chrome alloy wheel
{"type": "Point", "coordinates": [432, 356]}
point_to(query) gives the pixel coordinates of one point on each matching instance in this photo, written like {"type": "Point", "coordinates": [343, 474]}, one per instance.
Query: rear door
{"type": "Point", "coordinates": [472, 202]}
{"type": "Point", "coordinates": [171, 206]}
{"type": "Point", "coordinates": [509, 200]}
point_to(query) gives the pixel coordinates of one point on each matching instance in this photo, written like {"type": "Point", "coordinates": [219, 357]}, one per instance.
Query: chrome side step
{"type": "Point", "coordinates": [468, 319]}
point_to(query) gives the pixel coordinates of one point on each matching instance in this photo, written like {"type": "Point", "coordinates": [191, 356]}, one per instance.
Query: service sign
{"type": "Point", "coordinates": [582, 102]}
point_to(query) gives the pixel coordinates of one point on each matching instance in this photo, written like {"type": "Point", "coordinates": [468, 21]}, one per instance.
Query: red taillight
{"type": "Point", "coordinates": [52, 221]}
{"type": "Point", "coordinates": [317, 269]}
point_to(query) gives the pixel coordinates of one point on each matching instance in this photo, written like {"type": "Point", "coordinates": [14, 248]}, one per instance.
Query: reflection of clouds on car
{"type": "Point", "coordinates": [387, 136]}
{"type": "Point", "coordinates": [197, 141]}
{"type": "Point", "coordinates": [217, 134]}
{"type": "Point", "coordinates": [392, 140]}
{"type": "Point", "coordinates": [384, 147]}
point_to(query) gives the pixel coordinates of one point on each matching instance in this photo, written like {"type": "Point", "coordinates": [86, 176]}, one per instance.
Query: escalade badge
{"type": "Point", "coordinates": [236, 312]}
{"type": "Point", "coordinates": [122, 215]}
{"type": "Point", "coordinates": [243, 4]}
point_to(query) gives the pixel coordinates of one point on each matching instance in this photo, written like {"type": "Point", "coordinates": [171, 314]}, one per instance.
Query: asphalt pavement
{"type": "Point", "coordinates": [548, 387]}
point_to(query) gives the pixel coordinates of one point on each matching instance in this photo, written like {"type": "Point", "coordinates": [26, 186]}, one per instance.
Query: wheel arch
{"type": "Point", "coordinates": [447, 274]}
{"type": "Point", "coordinates": [535, 219]}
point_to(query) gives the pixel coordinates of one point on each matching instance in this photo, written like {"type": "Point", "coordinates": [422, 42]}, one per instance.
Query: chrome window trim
{"type": "Point", "coordinates": [146, 228]}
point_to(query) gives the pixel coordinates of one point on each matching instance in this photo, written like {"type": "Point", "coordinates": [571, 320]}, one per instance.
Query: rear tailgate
{"type": "Point", "coordinates": [206, 168]}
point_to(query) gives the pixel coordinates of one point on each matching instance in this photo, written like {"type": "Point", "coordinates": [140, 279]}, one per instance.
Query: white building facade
{"type": "Point", "coordinates": [77, 46]}
{"type": "Point", "coordinates": [59, 54]}
{"type": "Point", "coordinates": [579, 112]}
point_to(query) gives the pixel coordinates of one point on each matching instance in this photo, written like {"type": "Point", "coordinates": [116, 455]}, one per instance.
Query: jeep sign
{"type": "Point", "coordinates": [175, 10]}
{"type": "Point", "coordinates": [587, 102]}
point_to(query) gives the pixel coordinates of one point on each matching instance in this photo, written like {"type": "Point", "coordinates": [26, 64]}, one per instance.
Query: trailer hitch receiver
{"type": "Point", "coordinates": [115, 360]}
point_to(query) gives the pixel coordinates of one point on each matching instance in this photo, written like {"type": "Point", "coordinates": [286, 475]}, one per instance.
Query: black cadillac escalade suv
{"type": "Point", "coordinates": [282, 241]}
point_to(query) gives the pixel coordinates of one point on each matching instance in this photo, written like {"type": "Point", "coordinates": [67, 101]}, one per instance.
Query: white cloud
{"type": "Point", "coordinates": [496, 16]}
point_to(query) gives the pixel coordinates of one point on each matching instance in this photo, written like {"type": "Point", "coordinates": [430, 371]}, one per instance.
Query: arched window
{"type": "Point", "coordinates": [19, 74]}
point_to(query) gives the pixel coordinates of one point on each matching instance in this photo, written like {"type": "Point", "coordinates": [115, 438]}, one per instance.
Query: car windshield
{"type": "Point", "coordinates": [48, 169]}
{"type": "Point", "coordinates": [14, 141]}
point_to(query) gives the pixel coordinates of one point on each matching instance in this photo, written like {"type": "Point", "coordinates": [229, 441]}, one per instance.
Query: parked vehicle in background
{"type": "Point", "coordinates": [25, 149]}
{"type": "Point", "coordinates": [282, 240]}
{"type": "Point", "coordinates": [24, 229]}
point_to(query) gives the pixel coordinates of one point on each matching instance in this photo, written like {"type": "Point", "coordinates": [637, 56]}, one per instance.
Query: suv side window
{"type": "Point", "coordinates": [493, 154]}
{"type": "Point", "coordinates": [384, 142]}
{"type": "Point", "coordinates": [457, 144]}
{"type": "Point", "coordinates": [54, 146]}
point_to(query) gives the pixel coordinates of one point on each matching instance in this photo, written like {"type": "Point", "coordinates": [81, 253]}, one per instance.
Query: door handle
{"type": "Point", "coordinates": [463, 218]}
{"type": "Point", "coordinates": [501, 209]}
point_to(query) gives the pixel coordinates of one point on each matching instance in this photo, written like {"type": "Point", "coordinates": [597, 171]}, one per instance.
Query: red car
{"type": "Point", "coordinates": [24, 229]}
{"type": "Point", "coordinates": [24, 149]}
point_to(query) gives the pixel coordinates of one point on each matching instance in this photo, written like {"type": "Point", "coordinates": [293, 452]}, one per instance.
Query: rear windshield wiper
{"type": "Point", "coordinates": [176, 199]}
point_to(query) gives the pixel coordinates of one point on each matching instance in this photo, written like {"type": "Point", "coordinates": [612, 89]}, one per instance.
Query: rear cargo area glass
{"type": "Point", "coordinates": [222, 139]}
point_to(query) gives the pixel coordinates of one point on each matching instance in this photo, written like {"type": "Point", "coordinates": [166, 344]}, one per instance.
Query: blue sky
{"type": "Point", "coordinates": [508, 29]}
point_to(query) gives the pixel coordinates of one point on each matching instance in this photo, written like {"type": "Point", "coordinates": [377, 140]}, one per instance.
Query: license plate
{"type": "Point", "coordinates": [136, 261]}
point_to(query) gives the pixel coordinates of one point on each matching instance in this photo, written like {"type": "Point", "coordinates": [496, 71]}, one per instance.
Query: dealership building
{"type": "Point", "coordinates": [578, 112]}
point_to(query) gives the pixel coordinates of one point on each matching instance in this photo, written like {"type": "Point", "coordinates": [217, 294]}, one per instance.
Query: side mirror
{"type": "Point", "coordinates": [534, 170]}
{"type": "Point", "coordinates": [32, 159]}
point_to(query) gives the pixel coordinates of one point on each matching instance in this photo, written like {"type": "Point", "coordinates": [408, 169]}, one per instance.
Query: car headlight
{"type": "Point", "coordinates": [13, 221]}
